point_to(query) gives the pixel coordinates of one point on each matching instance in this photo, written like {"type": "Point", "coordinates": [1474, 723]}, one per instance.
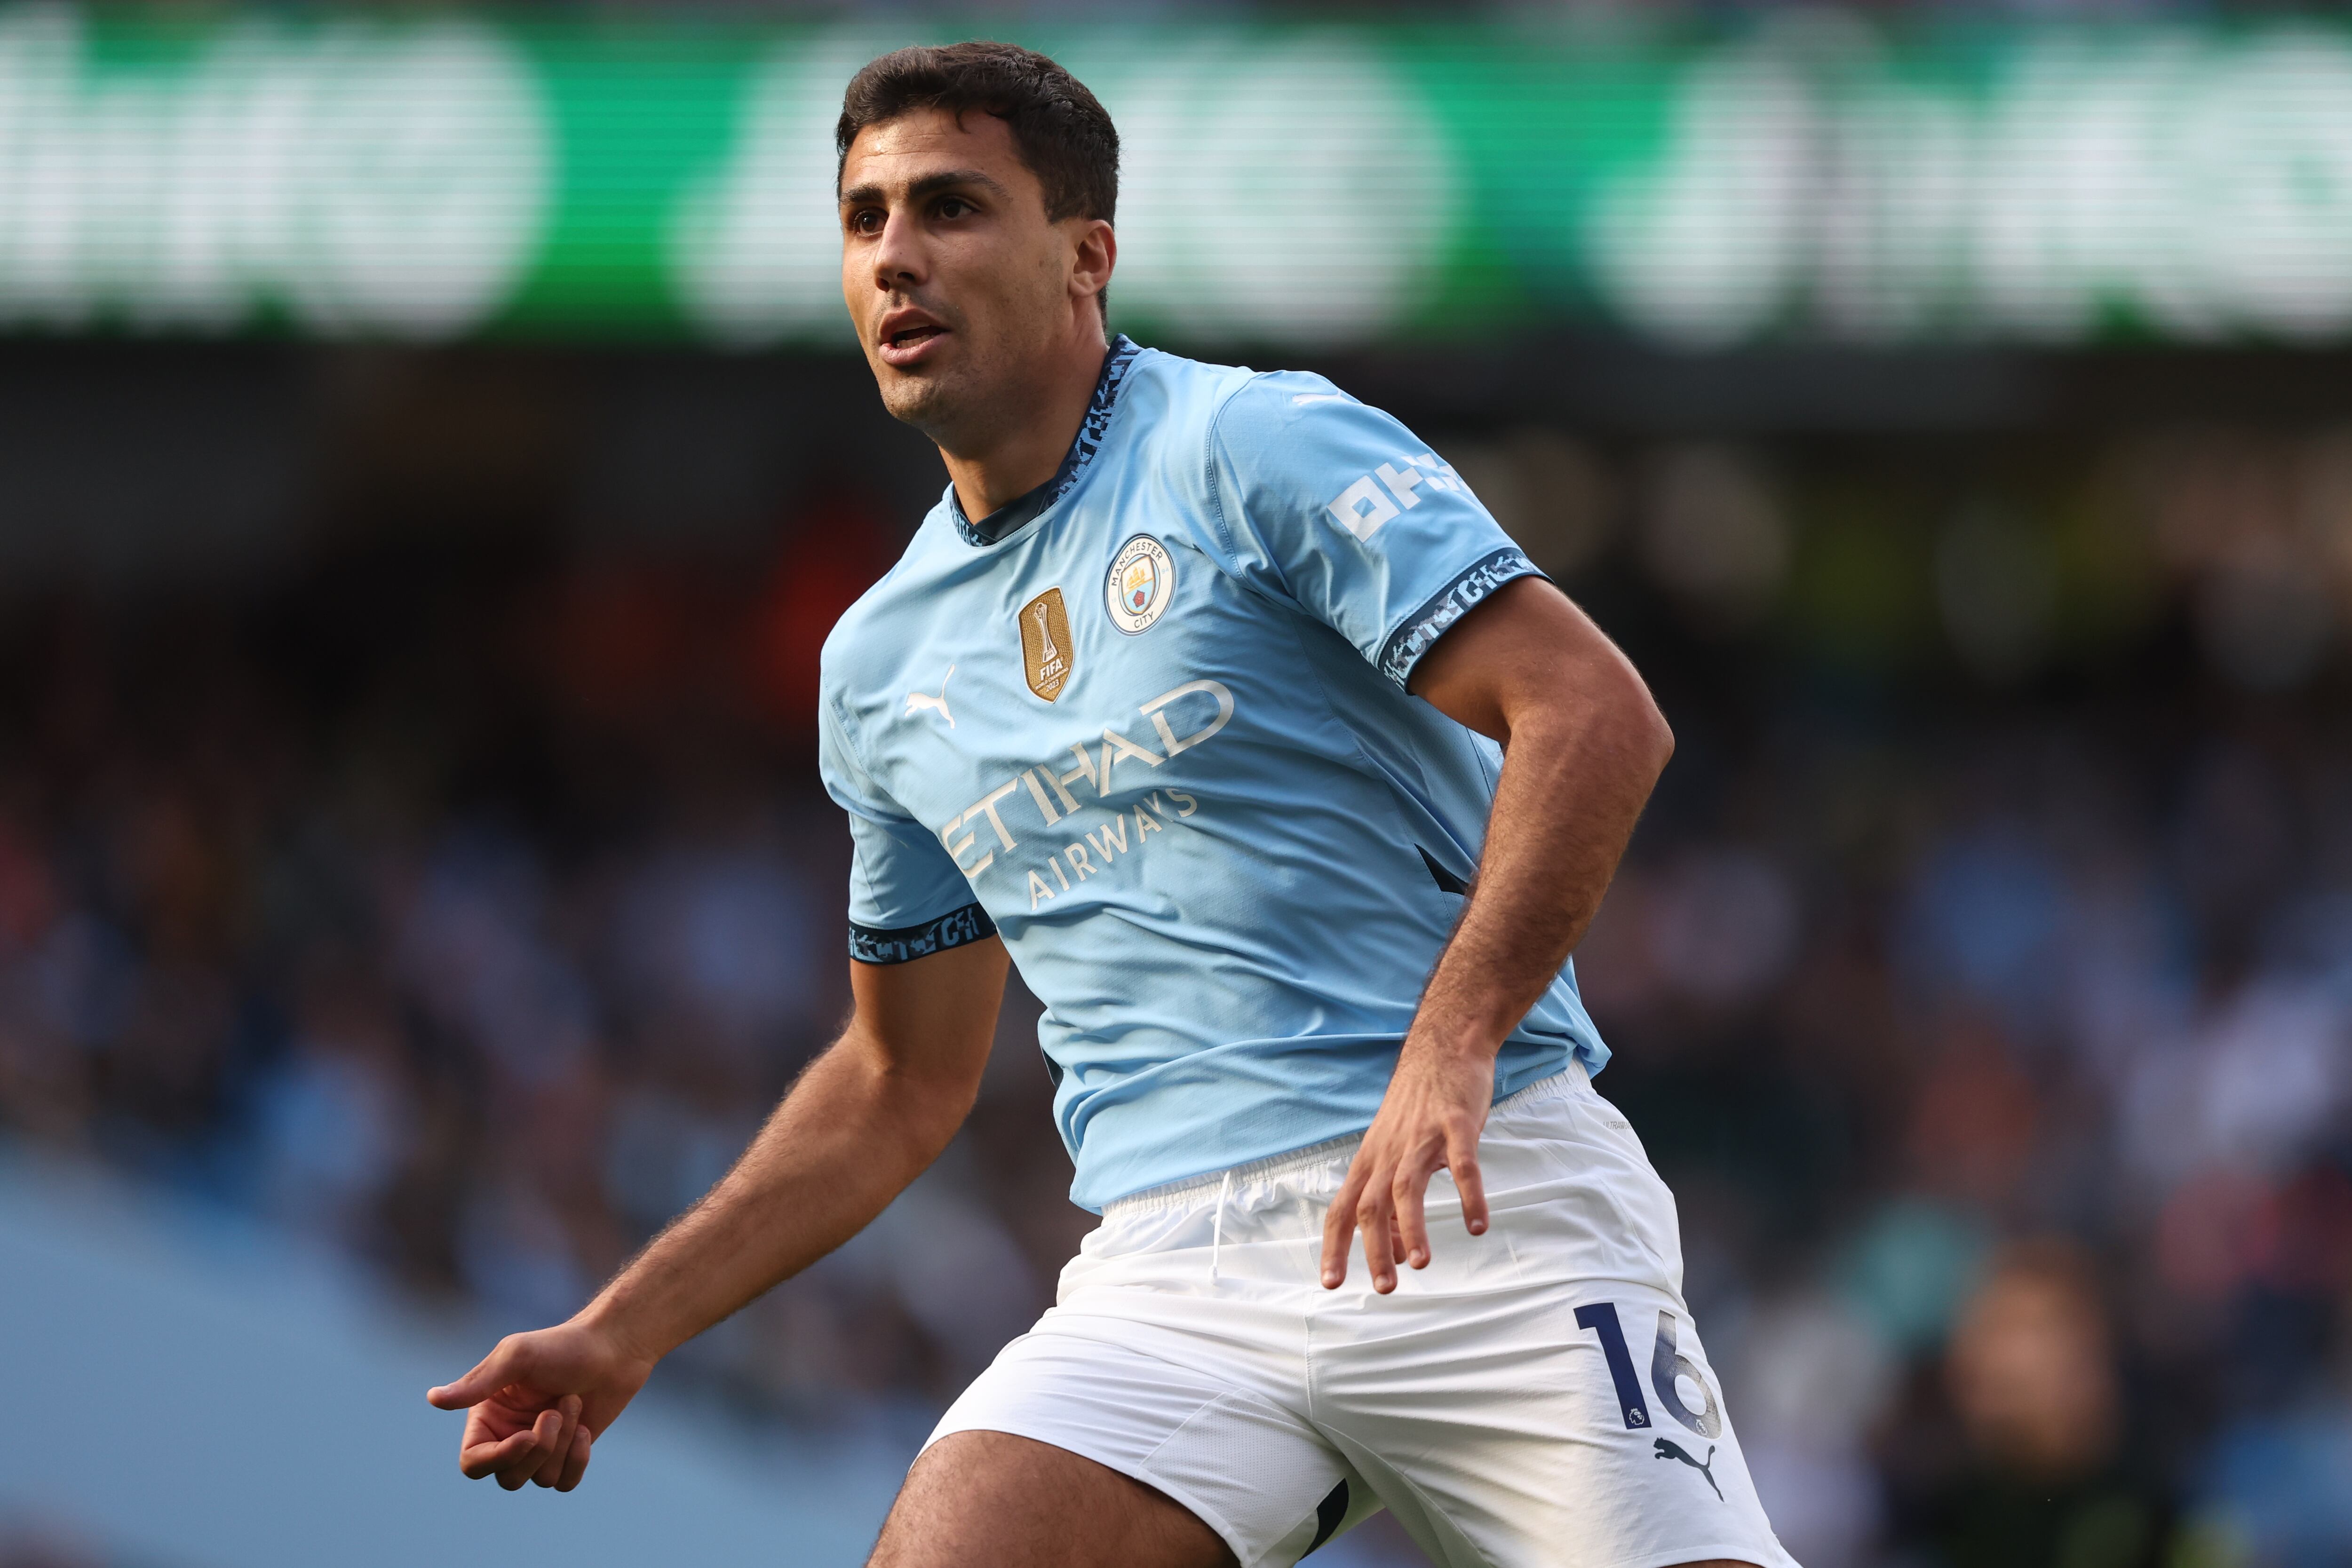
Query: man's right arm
{"type": "Point", "coordinates": [863, 1121]}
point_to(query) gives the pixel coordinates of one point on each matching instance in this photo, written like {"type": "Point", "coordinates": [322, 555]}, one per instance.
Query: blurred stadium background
{"type": "Point", "coordinates": [431, 455]}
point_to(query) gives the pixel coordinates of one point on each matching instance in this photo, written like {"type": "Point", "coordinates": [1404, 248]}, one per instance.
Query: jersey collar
{"type": "Point", "coordinates": [999, 524]}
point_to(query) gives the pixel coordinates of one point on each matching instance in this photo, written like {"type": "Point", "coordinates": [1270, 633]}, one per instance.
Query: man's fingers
{"type": "Point", "coordinates": [551, 1469]}
{"type": "Point", "coordinates": [575, 1464]}
{"type": "Point", "coordinates": [1461, 1159]}
{"type": "Point", "coordinates": [517, 1468]}
{"type": "Point", "coordinates": [503, 1366]}
{"type": "Point", "coordinates": [476, 1461]}
{"type": "Point", "coordinates": [1412, 1233]}
{"type": "Point", "coordinates": [1374, 1217]}
{"type": "Point", "coordinates": [515, 1471]}
{"type": "Point", "coordinates": [1339, 1225]}
{"type": "Point", "coordinates": [480, 1459]}
{"type": "Point", "coordinates": [1339, 1221]}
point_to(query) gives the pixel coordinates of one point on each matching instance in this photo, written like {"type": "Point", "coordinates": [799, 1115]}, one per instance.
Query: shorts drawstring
{"type": "Point", "coordinates": [1217, 1226]}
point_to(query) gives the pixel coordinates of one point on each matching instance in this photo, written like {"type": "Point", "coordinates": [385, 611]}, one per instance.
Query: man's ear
{"type": "Point", "coordinates": [1094, 254]}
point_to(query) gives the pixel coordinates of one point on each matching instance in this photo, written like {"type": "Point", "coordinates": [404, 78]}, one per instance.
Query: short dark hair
{"type": "Point", "coordinates": [1064, 136]}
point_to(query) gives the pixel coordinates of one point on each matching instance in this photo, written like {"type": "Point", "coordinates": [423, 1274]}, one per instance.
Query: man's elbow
{"type": "Point", "coordinates": [1589, 701]}
{"type": "Point", "coordinates": [927, 1093]}
{"type": "Point", "coordinates": [936, 1095]}
{"type": "Point", "coordinates": [1624, 719]}
{"type": "Point", "coordinates": [1653, 737]}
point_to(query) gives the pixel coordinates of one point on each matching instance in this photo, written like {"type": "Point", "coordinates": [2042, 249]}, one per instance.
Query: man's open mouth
{"type": "Point", "coordinates": [905, 335]}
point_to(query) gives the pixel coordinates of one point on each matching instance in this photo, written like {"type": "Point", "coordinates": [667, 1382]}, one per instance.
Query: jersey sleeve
{"type": "Point", "coordinates": [1342, 510]}
{"type": "Point", "coordinates": [907, 898]}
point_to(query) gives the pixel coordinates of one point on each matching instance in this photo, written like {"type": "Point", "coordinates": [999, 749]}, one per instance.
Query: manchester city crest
{"type": "Point", "coordinates": [1142, 580]}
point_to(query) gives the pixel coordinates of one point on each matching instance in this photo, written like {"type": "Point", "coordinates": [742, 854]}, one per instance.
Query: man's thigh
{"type": "Point", "coordinates": [1252, 1471]}
{"type": "Point", "coordinates": [989, 1500]}
{"type": "Point", "coordinates": [1541, 1426]}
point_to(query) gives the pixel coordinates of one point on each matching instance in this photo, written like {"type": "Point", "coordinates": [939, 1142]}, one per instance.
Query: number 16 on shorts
{"type": "Point", "coordinates": [1668, 1367]}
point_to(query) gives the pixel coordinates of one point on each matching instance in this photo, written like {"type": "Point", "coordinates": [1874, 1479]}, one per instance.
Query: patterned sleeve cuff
{"type": "Point", "coordinates": [1425, 626]}
{"type": "Point", "coordinates": [899, 944]}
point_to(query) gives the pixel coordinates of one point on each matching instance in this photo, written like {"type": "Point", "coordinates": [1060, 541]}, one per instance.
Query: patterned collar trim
{"type": "Point", "coordinates": [999, 524]}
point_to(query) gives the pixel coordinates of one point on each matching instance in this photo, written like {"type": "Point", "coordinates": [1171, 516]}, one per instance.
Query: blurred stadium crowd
{"type": "Point", "coordinates": [1981, 980]}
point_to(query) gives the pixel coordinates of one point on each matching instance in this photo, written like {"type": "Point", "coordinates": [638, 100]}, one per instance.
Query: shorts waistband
{"type": "Point", "coordinates": [1568, 1081]}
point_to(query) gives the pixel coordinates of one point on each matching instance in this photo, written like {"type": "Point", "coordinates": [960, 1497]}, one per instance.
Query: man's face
{"type": "Point", "coordinates": [958, 283]}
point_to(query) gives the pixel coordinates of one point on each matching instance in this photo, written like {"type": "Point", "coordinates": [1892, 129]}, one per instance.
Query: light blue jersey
{"type": "Point", "coordinates": [1150, 723]}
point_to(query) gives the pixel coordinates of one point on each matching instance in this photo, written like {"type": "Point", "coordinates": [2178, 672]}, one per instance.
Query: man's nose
{"type": "Point", "coordinates": [899, 256]}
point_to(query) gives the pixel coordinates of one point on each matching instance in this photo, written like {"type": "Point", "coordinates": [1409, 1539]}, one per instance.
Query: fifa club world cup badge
{"type": "Point", "coordinates": [1142, 580]}
{"type": "Point", "coordinates": [1046, 651]}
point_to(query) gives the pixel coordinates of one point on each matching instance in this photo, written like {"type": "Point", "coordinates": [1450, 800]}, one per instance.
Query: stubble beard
{"type": "Point", "coordinates": [980, 391]}
{"type": "Point", "coordinates": [954, 405]}
{"type": "Point", "coordinates": [927, 403]}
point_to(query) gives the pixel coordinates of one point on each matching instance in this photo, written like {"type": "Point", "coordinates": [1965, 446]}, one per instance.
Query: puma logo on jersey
{"type": "Point", "coordinates": [1671, 1450]}
{"type": "Point", "coordinates": [918, 701]}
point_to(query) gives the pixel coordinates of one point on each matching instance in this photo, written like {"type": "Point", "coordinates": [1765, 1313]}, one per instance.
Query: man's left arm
{"type": "Point", "coordinates": [1583, 743]}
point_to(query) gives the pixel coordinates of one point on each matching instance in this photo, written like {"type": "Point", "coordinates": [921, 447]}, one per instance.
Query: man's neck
{"type": "Point", "coordinates": [1022, 452]}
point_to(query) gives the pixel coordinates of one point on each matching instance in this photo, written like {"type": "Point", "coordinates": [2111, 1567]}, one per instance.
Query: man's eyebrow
{"type": "Point", "coordinates": [928, 185]}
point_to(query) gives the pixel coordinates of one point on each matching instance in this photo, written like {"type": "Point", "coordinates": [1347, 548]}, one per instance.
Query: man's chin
{"type": "Point", "coordinates": [923, 398]}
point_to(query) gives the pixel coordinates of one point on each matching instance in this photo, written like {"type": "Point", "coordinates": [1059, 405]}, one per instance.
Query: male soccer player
{"type": "Point", "coordinates": [1217, 702]}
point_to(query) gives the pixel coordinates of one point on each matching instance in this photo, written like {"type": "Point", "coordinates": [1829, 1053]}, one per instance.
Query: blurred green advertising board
{"type": "Point", "coordinates": [1814, 176]}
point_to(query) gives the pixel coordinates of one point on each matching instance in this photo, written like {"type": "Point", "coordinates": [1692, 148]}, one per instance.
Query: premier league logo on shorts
{"type": "Point", "coordinates": [1142, 580]}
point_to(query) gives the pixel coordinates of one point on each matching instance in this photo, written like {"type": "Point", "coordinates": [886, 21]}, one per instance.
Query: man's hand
{"type": "Point", "coordinates": [1583, 744]}
{"type": "Point", "coordinates": [1429, 1120]}
{"type": "Point", "coordinates": [862, 1123]}
{"type": "Point", "coordinates": [539, 1401]}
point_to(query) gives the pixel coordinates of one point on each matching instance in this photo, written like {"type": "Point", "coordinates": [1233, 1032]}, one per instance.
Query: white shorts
{"type": "Point", "coordinates": [1536, 1398]}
